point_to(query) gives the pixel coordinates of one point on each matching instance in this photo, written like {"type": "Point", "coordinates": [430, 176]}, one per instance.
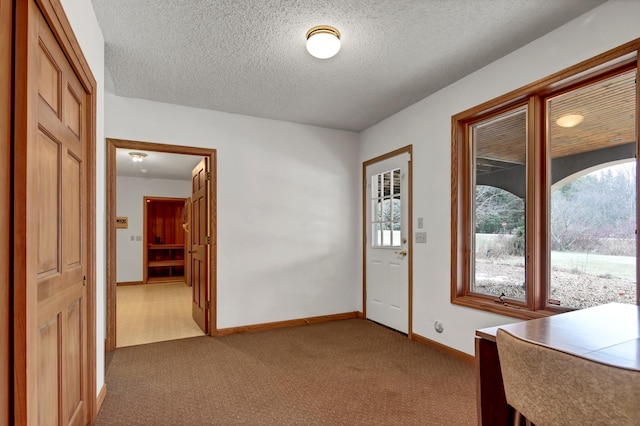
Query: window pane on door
{"type": "Point", "coordinates": [593, 194]}
{"type": "Point", "coordinates": [386, 209]}
{"type": "Point", "coordinates": [499, 150]}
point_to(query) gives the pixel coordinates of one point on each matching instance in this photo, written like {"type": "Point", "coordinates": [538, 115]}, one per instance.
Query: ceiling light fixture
{"type": "Point", "coordinates": [323, 41]}
{"type": "Point", "coordinates": [570, 120]}
{"type": "Point", "coordinates": [137, 157]}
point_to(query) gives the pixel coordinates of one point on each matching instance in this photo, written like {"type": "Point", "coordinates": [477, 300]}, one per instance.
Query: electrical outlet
{"type": "Point", "coordinates": [421, 237]}
{"type": "Point", "coordinates": [138, 237]}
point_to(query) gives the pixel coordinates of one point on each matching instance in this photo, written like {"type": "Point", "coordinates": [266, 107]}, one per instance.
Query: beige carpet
{"type": "Point", "coordinates": [338, 373]}
{"type": "Point", "coordinates": [154, 313]}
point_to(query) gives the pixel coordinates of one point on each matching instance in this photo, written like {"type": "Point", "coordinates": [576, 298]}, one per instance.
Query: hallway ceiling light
{"type": "Point", "coordinates": [323, 41]}
{"type": "Point", "coordinates": [570, 120]}
{"type": "Point", "coordinates": [137, 157]}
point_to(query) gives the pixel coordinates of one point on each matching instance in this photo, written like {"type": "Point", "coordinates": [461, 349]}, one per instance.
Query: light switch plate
{"type": "Point", "coordinates": [421, 237]}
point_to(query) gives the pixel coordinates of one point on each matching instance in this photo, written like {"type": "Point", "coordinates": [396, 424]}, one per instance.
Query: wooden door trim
{"type": "Point", "coordinates": [408, 150]}
{"type": "Point", "coordinates": [112, 145]}
{"type": "Point", "coordinates": [23, 306]}
{"type": "Point", "coordinates": [6, 66]}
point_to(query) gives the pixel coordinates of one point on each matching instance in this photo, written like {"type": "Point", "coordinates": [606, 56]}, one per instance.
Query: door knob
{"type": "Point", "coordinates": [402, 253]}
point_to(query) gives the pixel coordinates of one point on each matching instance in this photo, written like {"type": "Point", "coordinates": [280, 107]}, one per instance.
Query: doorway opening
{"type": "Point", "coordinates": [187, 271]}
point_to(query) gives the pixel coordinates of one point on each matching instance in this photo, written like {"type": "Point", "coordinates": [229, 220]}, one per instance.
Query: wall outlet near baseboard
{"type": "Point", "coordinates": [421, 237]}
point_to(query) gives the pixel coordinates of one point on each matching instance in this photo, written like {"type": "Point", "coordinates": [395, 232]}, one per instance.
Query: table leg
{"type": "Point", "coordinates": [493, 409]}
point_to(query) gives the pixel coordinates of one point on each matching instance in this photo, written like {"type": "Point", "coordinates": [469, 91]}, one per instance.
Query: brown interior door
{"type": "Point", "coordinates": [187, 241]}
{"type": "Point", "coordinates": [6, 67]}
{"type": "Point", "coordinates": [200, 244]}
{"type": "Point", "coordinates": [51, 268]}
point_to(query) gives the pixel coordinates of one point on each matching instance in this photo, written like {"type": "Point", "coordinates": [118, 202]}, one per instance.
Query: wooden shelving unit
{"type": "Point", "coordinates": [164, 256]}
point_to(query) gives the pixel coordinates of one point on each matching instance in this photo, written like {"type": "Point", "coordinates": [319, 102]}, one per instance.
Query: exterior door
{"type": "Point", "coordinates": [51, 238]}
{"type": "Point", "coordinates": [200, 240]}
{"type": "Point", "coordinates": [387, 248]}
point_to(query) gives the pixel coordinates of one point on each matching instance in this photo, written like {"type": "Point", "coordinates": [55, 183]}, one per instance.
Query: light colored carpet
{"type": "Point", "coordinates": [150, 313]}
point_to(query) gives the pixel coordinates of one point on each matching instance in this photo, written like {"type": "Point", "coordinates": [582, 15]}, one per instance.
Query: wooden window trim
{"type": "Point", "coordinates": [610, 62]}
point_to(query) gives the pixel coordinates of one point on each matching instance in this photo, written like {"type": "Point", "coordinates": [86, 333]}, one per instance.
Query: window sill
{"type": "Point", "coordinates": [489, 305]}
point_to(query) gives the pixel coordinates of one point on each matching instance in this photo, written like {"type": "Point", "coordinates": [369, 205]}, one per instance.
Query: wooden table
{"type": "Point", "coordinates": [608, 333]}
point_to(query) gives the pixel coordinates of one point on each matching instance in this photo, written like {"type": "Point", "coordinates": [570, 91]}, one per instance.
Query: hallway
{"type": "Point", "coordinates": [154, 313]}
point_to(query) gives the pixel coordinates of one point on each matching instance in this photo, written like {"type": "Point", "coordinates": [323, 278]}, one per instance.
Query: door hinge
{"type": "Point", "coordinates": [207, 305]}
{"type": "Point", "coordinates": [208, 175]}
{"type": "Point", "coordinates": [207, 240]}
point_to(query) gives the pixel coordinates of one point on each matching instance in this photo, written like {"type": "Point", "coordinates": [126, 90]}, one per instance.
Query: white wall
{"type": "Point", "coordinates": [130, 192]}
{"type": "Point", "coordinates": [85, 27]}
{"type": "Point", "coordinates": [287, 200]}
{"type": "Point", "coordinates": [427, 125]}
{"type": "Point", "coordinates": [288, 195]}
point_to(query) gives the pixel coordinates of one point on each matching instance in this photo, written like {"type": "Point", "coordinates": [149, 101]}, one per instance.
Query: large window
{"type": "Point", "coordinates": [544, 193]}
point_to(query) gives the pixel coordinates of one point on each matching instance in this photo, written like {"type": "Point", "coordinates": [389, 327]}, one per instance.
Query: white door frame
{"type": "Point", "coordinates": [407, 149]}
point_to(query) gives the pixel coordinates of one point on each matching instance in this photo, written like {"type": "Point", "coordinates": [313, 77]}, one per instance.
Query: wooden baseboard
{"type": "Point", "coordinates": [284, 324]}
{"type": "Point", "coordinates": [462, 356]}
{"type": "Point", "coordinates": [361, 315]}
{"type": "Point", "coordinates": [100, 398]}
{"type": "Point", "coordinates": [130, 283]}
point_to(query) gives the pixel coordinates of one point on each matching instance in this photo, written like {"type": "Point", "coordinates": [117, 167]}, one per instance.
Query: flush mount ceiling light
{"type": "Point", "coordinates": [570, 120]}
{"type": "Point", "coordinates": [323, 41]}
{"type": "Point", "coordinates": [137, 157]}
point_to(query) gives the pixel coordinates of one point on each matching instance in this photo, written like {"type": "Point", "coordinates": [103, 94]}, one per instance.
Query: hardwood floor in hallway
{"type": "Point", "coordinates": [154, 313]}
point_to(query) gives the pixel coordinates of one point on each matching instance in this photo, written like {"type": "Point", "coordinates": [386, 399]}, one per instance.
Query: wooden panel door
{"type": "Point", "coordinates": [200, 244]}
{"type": "Point", "coordinates": [51, 255]}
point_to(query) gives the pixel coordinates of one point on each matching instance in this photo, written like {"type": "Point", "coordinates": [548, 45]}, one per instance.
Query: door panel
{"type": "Point", "coordinates": [387, 252]}
{"type": "Point", "coordinates": [397, 284]}
{"type": "Point", "coordinates": [49, 79]}
{"type": "Point", "coordinates": [73, 367]}
{"type": "Point", "coordinates": [72, 188]}
{"type": "Point", "coordinates": [46, 185]}
{"type": "Point", "coordinates": [199, 245]}
{"type": "Point", "coordinates": [73, 111]}
{"type": "Point", "coordinates": [48, 374]}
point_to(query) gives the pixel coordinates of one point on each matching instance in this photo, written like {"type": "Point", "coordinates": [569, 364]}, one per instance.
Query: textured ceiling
{"type": "Point", "coordinates": [249, 57]}
{"type": "Point", "coordinates": [156, 165]}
